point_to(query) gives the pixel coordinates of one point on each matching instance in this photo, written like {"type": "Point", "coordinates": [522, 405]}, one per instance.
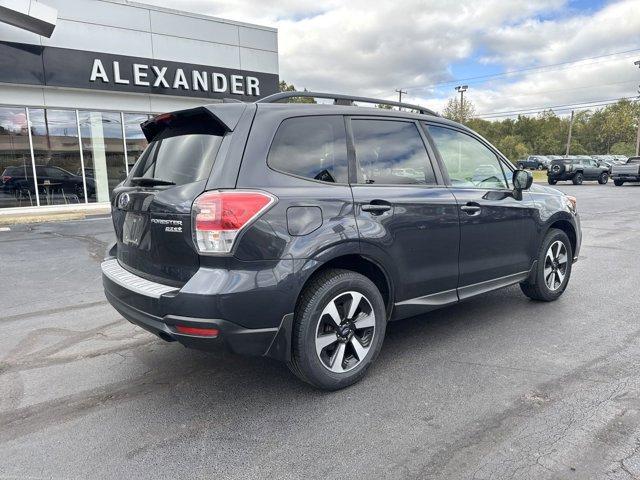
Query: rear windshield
{"type": "Point", "coordinates": [180, 159]}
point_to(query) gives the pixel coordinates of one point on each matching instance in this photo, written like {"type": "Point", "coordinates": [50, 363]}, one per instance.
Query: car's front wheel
{"type": "Point", "coordinates": [553, 268]}
{"type": "Point", "coordinates": [552, 181]}
{"type": "Point", "coordinates": [338, 329]}
{"type": "Point", "coordinates": [618, 183]}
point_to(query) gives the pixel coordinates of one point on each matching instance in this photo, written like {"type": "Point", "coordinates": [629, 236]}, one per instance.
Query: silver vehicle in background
{"type": "Point", "coordinates": [627, 172]}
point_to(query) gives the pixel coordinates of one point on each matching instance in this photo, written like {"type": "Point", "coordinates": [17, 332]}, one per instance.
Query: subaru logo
{"type": "Point", "coordinates": [123, 200]}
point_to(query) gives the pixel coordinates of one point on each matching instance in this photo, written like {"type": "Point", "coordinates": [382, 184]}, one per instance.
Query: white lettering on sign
{"type": "Point", "coordinates": [158, 76]}
{"type": "Point", "coordinates": [219, 82]}
{"type": "Point", "coordinates": [116, 74]}
{"type": "Point", "coordinates": [160, 73]}
{"type": "Point", "coordinates": [98, 71]}
{"type": "Point", "coordinates": [139, 74]}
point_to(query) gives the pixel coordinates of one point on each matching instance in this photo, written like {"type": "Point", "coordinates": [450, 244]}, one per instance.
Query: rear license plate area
{"type": "Point", "coordinates": [133, 229]}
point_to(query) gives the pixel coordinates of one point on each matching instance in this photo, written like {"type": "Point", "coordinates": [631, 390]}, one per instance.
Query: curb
{"type": "Point", "coordinates": [21, 218]}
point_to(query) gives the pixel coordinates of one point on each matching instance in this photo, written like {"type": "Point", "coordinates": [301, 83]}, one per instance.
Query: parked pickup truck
{"type": "Point", "coordinates": [627, 172]}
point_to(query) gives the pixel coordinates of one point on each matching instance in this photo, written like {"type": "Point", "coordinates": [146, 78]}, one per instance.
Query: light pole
{"type": "Point", "coordinates": [400, 92]}
{"type": "Point", "coordinates": [637, 63]}
{"type": "Point", "coordinates": [462, 89]}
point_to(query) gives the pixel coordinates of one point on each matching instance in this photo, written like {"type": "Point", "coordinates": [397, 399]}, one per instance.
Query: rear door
{"type": "Point", "coordinates": [152, 208]}
{"type": "Point", "coordinates": [497, 231]}
{"type": "Point", "coordinates": [404, 212]}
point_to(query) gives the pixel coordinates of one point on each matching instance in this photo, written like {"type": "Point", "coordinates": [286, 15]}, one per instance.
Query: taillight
{"type": "Point", "coordinates": [218, 217]}
{"type": "Point", "coordinates": [5, 178]}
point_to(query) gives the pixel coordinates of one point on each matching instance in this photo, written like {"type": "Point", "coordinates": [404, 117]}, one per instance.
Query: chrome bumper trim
{"type": "Point", "coordinates": [114, 272]}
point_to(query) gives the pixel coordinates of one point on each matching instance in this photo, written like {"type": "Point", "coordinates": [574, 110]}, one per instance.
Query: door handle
{"type": "Point", "coordinates": [375, 209]}
{"type": "Point", "coordinates": [471, 209]}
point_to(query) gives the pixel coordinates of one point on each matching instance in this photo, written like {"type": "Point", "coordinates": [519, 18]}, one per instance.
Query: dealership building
{"type": "Point", "coordinates": [77, 77]}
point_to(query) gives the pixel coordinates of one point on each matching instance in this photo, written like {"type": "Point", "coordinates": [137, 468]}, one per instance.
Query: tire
{"type": "Point", "coordinates": [313, 361]}
{"type": "Point", "coordinates": [540, 167]}
{"type": "Point", "coordinates": [578, 178]}
{"type": "Point", "coordinates": [552, 181]}
{"type": "Point", "coordinates": [539, 288]}
{"type": "Point", "coordinates": [618, 183]}
{"type": "Point", "coordinates": [603, 178]}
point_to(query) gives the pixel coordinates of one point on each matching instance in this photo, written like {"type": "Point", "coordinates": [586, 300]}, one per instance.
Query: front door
{"type": "Point", "coordinates": [404, 214]}
{"type": "Point", "coordinates": [497, 230]}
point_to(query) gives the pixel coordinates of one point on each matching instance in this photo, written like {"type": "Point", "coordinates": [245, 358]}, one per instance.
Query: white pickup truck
{"type": "Point", "coordinates": [627, 172]}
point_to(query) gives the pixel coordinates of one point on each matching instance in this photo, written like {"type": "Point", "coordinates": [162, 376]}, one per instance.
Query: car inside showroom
{"type": "Point", "coordinates": [78, 78]}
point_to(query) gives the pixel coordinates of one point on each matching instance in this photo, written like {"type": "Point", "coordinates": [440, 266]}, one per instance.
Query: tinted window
{"type": "Point", "coordinates": [390, 152]}
{"type": "Point", "coordinates": [311, 147]}
{"type": "Point", "coordinates": [470, 164]}
{"type": "Point", "coordinates": [180, 159]}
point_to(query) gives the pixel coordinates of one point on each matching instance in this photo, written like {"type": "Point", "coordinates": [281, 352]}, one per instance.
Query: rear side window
{"type": "Point", "coordinates": [311, 147]}
{"type": "Point", "coordinates": [180, 159]}
{"type": "Point", "coordinates": [390, 153]}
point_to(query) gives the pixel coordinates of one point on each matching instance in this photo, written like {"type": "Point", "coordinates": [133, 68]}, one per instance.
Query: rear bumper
{"type": "Point", "coordinates": [146, 304]}
{"type": "Point", "coordinates": [626, 177]}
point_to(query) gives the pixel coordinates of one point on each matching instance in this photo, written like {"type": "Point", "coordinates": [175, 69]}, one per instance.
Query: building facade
{"type": "Point", "coordinates": [71, 105]}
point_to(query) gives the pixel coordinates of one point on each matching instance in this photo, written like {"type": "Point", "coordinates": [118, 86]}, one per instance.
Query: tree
{"type": "Point", "coordinates": [285, 87]}
{"type": "Point", "coordinates": [452, 110]}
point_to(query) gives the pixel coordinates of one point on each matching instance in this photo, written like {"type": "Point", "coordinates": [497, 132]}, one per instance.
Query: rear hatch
{"type": "Point", "coordinates": [152, 208]}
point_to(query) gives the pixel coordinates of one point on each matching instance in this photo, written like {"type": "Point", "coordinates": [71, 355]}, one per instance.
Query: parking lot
{"type": "Point", "coordinates": [496, 387]}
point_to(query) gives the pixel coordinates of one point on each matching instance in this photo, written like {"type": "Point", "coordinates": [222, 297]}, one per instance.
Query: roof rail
{"type": "Point", "coordinates": [339, 99]}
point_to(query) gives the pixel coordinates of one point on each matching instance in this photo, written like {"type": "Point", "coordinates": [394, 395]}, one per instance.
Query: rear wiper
{"type": "Point", "coordinates": [150, 182]}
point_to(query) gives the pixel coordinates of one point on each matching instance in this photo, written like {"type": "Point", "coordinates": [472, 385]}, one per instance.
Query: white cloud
{"type": "Point", "coordinates": [371, 48]}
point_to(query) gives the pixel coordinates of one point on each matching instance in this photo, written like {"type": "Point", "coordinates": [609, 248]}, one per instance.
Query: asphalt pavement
{"type": "Point", "coordinates": [496, 387]}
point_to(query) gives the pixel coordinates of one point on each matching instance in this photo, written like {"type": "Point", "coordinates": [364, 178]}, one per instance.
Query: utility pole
{"type": "Point", "coordinates": [400, 92]}
{"type": "Point", "coordinates": [569, 137]}
{"type": "Point", "coordinates": [462, 89]}
{"type": "Point", "coordinates": [637, 63]}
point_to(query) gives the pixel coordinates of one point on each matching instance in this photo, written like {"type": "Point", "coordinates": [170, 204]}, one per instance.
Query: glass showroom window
{"type": "Point", "coordinates": [103, 152]}
{"type": "Point", "coordinates": [57, 156]}
{"type": "Point", "coordinates": [136, 143]}
{"type": "Point", "coordinates": [16, 182]}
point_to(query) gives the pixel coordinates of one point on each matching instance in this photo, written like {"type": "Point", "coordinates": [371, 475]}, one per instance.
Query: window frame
{"type": "Point", "coordinates": [504, 163]}
{"type": "Point", "coordinates": [301, 177]}
{"type": "Point", "coordinates": [351, 150]}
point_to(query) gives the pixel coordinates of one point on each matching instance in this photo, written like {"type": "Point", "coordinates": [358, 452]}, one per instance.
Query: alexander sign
{"type": "Point", "coordinates": [52, 66]}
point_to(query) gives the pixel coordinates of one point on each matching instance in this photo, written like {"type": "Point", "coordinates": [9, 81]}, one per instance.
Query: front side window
{"type": "Point", "coordinates": [470, 164]}
{"type": "Point", "coordinates": [311, 147]}
{"type": "Point", "coordinates": [390, 153]}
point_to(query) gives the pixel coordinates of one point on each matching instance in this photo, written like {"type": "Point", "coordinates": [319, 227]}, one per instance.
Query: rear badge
{"type": "Point", "coordinates": [174, 226]}
{"type": "Point", "coordinates": [123, 200]}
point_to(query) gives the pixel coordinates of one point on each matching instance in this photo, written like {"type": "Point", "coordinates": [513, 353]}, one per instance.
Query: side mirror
{"type": "Point", "coordinates": [522, 180]}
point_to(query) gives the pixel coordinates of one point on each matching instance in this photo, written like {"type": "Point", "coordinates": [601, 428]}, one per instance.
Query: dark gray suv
{"type": "Point", "coordinates": [297, 231]}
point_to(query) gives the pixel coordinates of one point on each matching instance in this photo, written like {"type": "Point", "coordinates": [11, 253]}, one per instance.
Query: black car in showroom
{"type": "Point", "coordinates": [577, 170]}
{"type": "Point", "coordinates": [19, 179]}
{"type": "Point", "coordinates": [297, 231]}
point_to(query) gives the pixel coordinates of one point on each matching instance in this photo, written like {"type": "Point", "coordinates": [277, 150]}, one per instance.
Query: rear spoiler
{"type": "Point", "coordinates": [225, 115]}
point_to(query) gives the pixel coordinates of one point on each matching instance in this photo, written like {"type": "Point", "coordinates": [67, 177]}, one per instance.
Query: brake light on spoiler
{"type": "Point", "coordinates": [219, 216]}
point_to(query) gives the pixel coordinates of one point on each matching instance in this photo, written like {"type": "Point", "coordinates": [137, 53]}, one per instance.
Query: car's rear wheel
{"type": "Point", "coordinates": [603, 178]}
{"type": "Point", "coordinates": [552, 181]}
{"type": "Point", "coordinates": [578, 178]}
{"type": "Point", "coordinates": [553, 269]}
{"type": "Point", "coordinates": [338, 329]}
{"type": "Point", "coordinates": [618, 183]}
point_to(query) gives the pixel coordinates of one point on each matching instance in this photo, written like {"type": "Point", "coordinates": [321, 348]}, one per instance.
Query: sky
{"type": "Point", "coordinates": [514, 55]}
